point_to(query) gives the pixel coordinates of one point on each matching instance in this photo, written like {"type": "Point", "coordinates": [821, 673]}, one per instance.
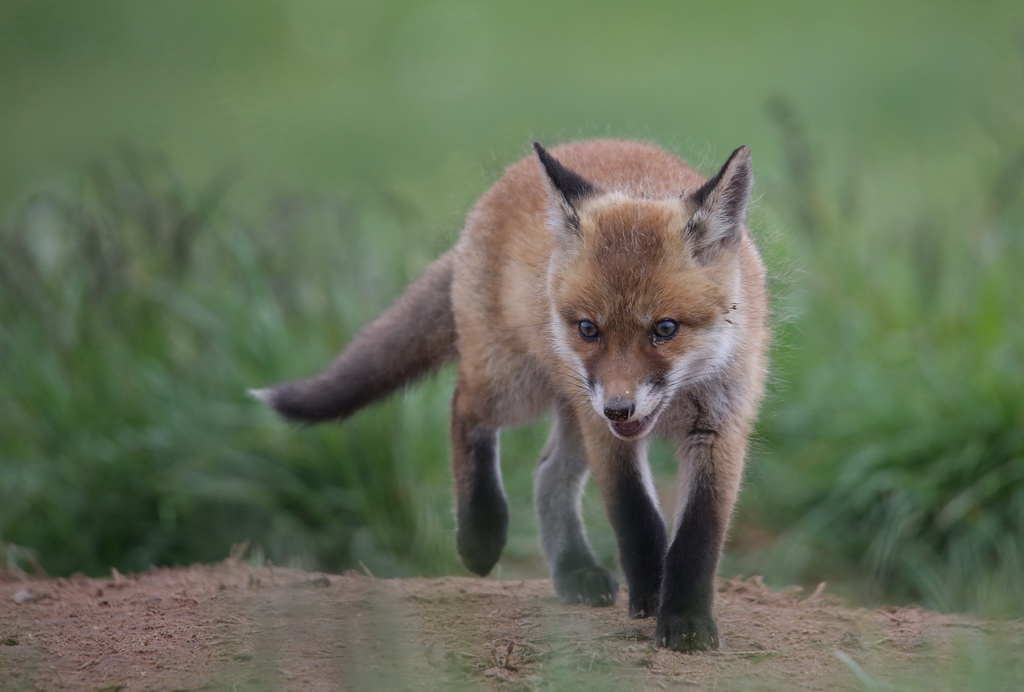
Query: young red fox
{"type": "Point", "coordinates": [611, 282]}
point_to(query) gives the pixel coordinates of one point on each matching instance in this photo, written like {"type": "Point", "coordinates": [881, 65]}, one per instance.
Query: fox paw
{"type": "Point", "coordinates": [686, 633]}
{"type": "Point", "coordinates": [643, 606]}
{"type": "Point", "coordinates": [593, 586]}
{"type": "Point", "coordinates": [481, 535]}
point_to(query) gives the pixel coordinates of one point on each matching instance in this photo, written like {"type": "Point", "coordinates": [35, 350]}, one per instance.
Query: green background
{"type": "Point", "coordinates": [200, 197]}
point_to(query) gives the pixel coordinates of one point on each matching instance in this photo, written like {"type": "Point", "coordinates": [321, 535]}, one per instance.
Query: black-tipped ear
{"type": "Point", "coordinates": [717, 223]}
{"type": "Point", "coordinates": [569, 183]}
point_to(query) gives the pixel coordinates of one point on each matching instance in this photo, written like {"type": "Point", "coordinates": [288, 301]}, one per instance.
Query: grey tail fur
{"type": "Point", "coordinates": [412, 338]}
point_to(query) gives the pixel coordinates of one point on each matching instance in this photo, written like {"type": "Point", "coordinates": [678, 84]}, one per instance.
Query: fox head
{"type": "Point", "coordinates": [643, 291]}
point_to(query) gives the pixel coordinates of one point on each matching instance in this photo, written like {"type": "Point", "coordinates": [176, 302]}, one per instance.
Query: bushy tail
{"type": "Point", "coordinates": [412, 338]}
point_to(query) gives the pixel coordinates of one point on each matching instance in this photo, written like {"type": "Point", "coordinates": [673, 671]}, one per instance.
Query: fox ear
{"type": "Point", "coordinates": [721, 208]}
{"type": "Point", "coordinates": [570, 188]}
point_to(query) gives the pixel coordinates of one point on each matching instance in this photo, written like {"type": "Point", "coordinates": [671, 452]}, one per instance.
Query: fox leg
{"type": "Point", "coordinates": [622, 473]}
{"type": "Point", "coordinates": [710, 471]}
{"type": "Point", "coordinates": [481, 506]}
{"type": "Point", "coordinates": [558, 491]}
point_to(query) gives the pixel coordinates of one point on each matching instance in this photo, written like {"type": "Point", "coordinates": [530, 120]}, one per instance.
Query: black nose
{"type": "Point", "coordinates": [619, 409]}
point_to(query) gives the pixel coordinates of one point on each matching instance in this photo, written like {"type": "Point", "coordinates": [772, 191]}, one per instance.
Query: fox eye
{"type": "Point", "coordinates": [588, 330]}
{"type": "Point", "coordinates": [666, 329]}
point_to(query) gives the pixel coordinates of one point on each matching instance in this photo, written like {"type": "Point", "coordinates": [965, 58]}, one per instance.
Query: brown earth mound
{"type": "Point", "coordinates": [233, 626]}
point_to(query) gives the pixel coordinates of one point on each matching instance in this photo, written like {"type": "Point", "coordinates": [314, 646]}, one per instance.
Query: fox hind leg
{"type": "Point", "coordinates": [481, 507]}
{"type": "Point", "coordinates": [558, 491]}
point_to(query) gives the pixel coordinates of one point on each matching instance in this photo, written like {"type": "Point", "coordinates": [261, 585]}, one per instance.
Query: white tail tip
{"type": "Point", "coordinates": [265, 395]}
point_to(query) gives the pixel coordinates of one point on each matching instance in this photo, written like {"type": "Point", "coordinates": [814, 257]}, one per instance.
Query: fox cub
{"type": "Point", "coordinates": [610, 282]}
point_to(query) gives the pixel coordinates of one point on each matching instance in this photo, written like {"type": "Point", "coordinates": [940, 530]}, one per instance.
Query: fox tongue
{"type": "Point", "coordinates": [630, 428]}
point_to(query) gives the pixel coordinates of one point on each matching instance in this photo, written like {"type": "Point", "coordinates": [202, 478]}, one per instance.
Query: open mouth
{"type": "Point", "coordinates": [631, 429]}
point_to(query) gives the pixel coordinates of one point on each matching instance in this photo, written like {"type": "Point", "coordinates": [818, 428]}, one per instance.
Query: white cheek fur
{"type": "Point", "coordinates": [560, 342]}
{"type": "Point", "coordinates": [717, 348]}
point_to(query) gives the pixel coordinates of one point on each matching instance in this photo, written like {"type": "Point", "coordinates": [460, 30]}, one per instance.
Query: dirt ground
{"type": "Point", "coordinates": [235, 627]}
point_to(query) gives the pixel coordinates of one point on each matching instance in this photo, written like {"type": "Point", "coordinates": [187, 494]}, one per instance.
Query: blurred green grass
{"type": "Point", "coordinates": [895, 446]}
{"type": "Point", "coordinates": [142, 292]}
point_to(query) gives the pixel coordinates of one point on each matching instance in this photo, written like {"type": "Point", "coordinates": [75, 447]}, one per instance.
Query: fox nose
{"type": "Point", "coordinates": [619, 408]}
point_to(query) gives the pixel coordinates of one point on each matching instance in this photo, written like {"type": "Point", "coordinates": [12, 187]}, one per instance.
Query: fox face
{"type": "Point", "coordinates": [634, 314]}
{"type": "Point", "coordinates": [641, 292]}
